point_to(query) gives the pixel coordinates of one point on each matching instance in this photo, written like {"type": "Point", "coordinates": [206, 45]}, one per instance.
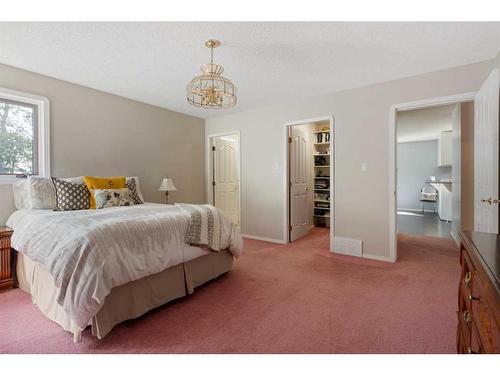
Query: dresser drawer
{"type": "Point", "coordinates": [461, 345]}
{"type": "Point", "coordinates": [467, 269]}
{"type": "Point", "coordinates": [470, 289]}
{"type": "Point", "coordinates": [485, 325]}
{"type": "Point", "coordinates": [478, 298]}
{"type": "Point", "coordinates": [464, 331]}
{"type": "Point", "coordinates": [476, 346]}
{"type": "Point", "coordinates": [464, 297]}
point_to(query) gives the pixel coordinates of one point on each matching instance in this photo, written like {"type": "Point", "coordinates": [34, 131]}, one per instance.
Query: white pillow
{"type": "Point", "coordinates": [137, 186]}
{"type": "Point", "coordinates": [75, 180]}
{"type": "Point", "coordinates": [21, 197]}
{"type": "Point", "coordinates": [42, 193]}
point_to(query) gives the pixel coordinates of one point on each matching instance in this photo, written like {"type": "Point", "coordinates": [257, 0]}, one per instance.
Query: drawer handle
{"type": "Point", "coordinates": [468, 277]}
{"type": "Point", "coordinates": [467, 317]}
{"type": "Point", "coordinates": [472, 298]}
{"type": "Point", "coordinates": [470, 351]}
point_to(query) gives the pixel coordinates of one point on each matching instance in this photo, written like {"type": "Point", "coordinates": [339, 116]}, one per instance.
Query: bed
{"type": "Point", "coordinates": [102, 267]}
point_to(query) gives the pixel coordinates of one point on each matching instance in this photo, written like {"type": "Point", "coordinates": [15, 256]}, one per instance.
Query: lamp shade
{"type": "Point", "coordinates": [167, 185]}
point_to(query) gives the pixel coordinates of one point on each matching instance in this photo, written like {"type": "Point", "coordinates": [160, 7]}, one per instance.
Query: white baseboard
{"type": "Point", "coordinates": [456, 238]}
{"type": "Point", "coordinates": [266, 239]}
{"type": "Point", "coordinates": [378, 257]}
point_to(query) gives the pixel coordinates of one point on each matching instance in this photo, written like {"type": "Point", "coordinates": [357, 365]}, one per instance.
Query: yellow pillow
{"type": "Point", "coordinates": [103, 183]}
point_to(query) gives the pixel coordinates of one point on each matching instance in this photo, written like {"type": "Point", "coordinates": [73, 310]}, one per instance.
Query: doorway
{"type": "Point", "coordinates": [309, 178]}
{"type": "Point", "coordinates": [225, 174]}
{"type": "Point", "coordinates": [426, 166]}
{"type": "Point", "coordinates": [428, 169]}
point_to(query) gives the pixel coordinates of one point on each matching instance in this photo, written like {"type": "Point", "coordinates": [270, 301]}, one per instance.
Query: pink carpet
{"type": "Point", "coordinates": [281, 299]}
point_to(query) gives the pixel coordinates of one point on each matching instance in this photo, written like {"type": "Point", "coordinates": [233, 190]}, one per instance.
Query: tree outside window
{"type": "Point", "coordinates": [17, 138]}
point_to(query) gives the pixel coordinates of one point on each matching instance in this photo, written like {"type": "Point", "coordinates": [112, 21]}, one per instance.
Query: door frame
{"type": "Point", "coordinates": [209, 167]}
{"type": "Point", "coordinates": [401, 107]}
{"type": "Point", "coordinates": [286, 174]}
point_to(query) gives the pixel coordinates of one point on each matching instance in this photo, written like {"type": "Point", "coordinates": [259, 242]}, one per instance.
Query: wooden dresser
{"type": "Point", "coordinates": [6, 278]}
{"type": "Point", "coordinates": [478, 329]}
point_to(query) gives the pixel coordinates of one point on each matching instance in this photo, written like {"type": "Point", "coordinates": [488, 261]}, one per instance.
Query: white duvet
{"type": "Point", "coordinates": [89, 252]}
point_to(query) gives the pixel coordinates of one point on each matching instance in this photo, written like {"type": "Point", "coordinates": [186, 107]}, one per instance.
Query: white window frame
{"type": "Point", "coordinates": [43, 134]}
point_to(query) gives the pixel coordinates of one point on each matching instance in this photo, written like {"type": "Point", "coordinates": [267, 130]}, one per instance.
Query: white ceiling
{"type": "Point", "coordinates": [269, 62]}
{"type": "Point", "coordinates": [423, 124]}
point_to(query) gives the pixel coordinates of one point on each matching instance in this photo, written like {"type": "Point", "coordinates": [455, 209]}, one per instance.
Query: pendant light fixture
{"type": "Point", "coordinates": [211, 90]}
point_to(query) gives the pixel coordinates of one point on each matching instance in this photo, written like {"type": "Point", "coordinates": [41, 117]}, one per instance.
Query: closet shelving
{"type": "Point", "coordinates": [322, 174]}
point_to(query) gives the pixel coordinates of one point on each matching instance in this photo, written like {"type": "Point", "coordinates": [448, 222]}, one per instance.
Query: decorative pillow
{"type": "Point", "coordinates": [71, 196]}
{"type": "Point", "coordinates": [42, 194]}
{"type": "Point", "coordinates": [137, 187]}
{"type": "Point", "coordinates": [133, 191]}
{"type": "Point", "coordinates": [94, 183]}
{"type": "Point", "coordinates": [113, 197]}
{"type": "Point", "coordinates": [21, 197]}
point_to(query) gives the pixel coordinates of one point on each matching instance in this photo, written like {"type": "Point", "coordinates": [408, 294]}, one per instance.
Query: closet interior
{"type": "Point", "coordinates": [322, 174]}
{"type": "Point", "coordinates": [311, 171]}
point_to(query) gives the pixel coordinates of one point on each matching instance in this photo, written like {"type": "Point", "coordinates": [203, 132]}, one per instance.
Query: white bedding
{"type": "Point", "coordinates": [89, 252]}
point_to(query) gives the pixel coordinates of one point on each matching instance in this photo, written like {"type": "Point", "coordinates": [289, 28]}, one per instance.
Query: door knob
{"type": "Point", "coordinates": [490, 200]}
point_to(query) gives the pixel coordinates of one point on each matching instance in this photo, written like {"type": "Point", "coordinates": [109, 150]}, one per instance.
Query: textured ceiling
{"type": "Point", "coordinates": [269, 62]}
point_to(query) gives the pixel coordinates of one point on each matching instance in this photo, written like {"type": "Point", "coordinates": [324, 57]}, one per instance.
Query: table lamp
{"type": "Point", "coordinates": [167, 185]}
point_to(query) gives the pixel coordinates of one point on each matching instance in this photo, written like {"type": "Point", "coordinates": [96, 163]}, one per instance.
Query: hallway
{"type": "Point", "coordinates": [423, 224]}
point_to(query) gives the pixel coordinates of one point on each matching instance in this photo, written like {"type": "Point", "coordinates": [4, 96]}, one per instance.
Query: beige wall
{"type": "Point", "coordinates": [362, 134]}
{"type": "Point", "coordinates": [6, 203]}
{"type": "Point", "coordinates": [467, 162]}
{"type": "Point", "coordinates": [94, 133]}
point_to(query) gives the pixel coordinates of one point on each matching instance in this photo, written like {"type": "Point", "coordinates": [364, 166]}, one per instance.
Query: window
{"type": "Point", "coordinates": [23, 135]}
{"type": "Point", "coordinates": [18, 142]}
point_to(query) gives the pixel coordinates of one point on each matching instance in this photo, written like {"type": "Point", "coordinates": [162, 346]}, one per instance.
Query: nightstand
{"type": "Point", "coordinates": [6, 277]}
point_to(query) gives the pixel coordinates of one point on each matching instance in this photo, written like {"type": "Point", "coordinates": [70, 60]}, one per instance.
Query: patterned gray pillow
{"type": "Point", "coordinates": [133, 190]}
{"type": "Point", "coordinates": [71, 196]}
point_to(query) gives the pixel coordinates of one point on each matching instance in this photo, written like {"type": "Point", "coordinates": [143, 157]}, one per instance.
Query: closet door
{"type": "Point", "coordinates": [299, 213]}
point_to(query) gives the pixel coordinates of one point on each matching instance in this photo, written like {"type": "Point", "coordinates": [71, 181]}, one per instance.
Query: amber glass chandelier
{"type": "Point", "coordinates": [211, 89]}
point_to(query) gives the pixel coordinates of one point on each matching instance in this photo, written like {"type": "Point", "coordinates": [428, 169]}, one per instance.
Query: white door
{"type": "Point", "coordinates": [225, 175]}
{"type": "Point", "coordinates": [486, 112]}
{"type": "Point", "coordinates": [299, 213]}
